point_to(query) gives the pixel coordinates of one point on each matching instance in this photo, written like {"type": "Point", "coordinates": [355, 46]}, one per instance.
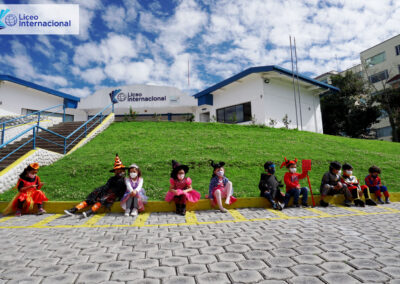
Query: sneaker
{"type": "Point", "coordinates": [134, 212]}
{"type": "Point", "coordinates": [18, 213]}
{"type": "Point", "coordinates": [304, 205]}
{"type": "Point", "coordinates": [347, 203]}
{"type": "Point", "coordinates": [86, 214]}
{"type": "Point", "coordinates": [370, 202]}
{"type": "Point", "coordinates": [380, 201]}
{"type": "Point", "coordinates": [359, 202]}
{"type": "Point", "coordinates": [387, 201]}
{"type": "Point", "coordinates": [296, 205]}
{"type": "Point", "coordinates": [71, 211]}
{"type": "Point", "coordinates": [126, 214]}
{"type": "Point", "coordinates": [323, 203]}
{"type": "Point", "coordinates": [41, 211]}
{"type": "Point", "coordinates": [279, 206]}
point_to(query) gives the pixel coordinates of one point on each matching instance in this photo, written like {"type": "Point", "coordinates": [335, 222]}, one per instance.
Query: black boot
{"type": "Point", "coordinates": [183, 209]}
{"type": "Point", "coordinates": [323, 203]}
{"type": "Point", "coordinates": [71, 211]}
{"type": "Point", "coordinates": [370, 202]}
{"type": "Point", "coordinates": [178, 208]}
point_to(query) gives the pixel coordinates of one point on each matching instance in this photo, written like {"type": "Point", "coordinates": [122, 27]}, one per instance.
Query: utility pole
{"type": "Point", "coordinates": [294, 87]}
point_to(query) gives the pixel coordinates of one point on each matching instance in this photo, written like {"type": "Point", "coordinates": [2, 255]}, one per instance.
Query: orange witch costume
{"type": "Point", "coordinates": [29, 193]}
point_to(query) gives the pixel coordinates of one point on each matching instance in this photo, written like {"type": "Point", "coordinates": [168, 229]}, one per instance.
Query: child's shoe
{"type": "Point", "coordinates": [183, 209]}
{"type": "Point", "coordinates": [41, 211]}
{"type": "Point", "coordinates": [359, 202]}
{"type": "Point", "coordinates": [134, 212]}
{"type": "Point", "coordinates": [296, 205]}
{"type": "Point", "coordinates": [370, 202]}
{"type": "Point", "coordinates": [304, 205]}
{"type": "Point", "coordinates": [323, 203]}
{"type": "Point", "coordinates": [380, 201]}
{"type": "Point", "coordinates": [86, 214]}
{"type": "Point", "coordinates": [71, 211]}
{"type": "Point", "coordinates": [18, 213]}
{"type": "Point", "coordinates": [223, 210]}
{"type": "Point", "coordinates": [347, 203]}
{"type": "Point", "coordinates": [387, 201]}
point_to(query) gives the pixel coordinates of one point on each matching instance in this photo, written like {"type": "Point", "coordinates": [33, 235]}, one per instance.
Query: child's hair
{"type": "Point", "coordinates": [268, 164]}
{"type": "Point", "coordinates": [26, 170]}
{"type": "Point", "coordinates": [374, 169]}
{"type": "Point", "coordinates": [335, 165]}
{"type": "Point", "coordinates": [216, 166]}
{"type": "Point", "coordinates": [346, 167]}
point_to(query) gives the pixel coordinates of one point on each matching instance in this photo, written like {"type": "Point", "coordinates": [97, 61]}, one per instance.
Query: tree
{"type": "Point", "coordinates": [389, 101]}
{"type": "Point", "coordinates": [350, 112]}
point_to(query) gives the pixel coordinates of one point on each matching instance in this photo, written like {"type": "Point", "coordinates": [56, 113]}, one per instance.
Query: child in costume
{"type": "Point", "coordinates": [135, 197]}
{"type": "Point", "coordinates": [354, 187]}
{"type": "Point", "coordinates": [104, 195]}
{"type": "Point", "coordinates": [180, 190]}
{"type": "Point", "coordinates": [331, 185]}
{"type": "Point", "coordinates": [220, 187]}
{"type": "Point", "coordinates": [373, 181]}
{"type": "Point", "coordinates": [293, 187]}
{"type": "Point", "coordinates": [269, 187]}
{"type": "Point", "coordinates": [29, 193]}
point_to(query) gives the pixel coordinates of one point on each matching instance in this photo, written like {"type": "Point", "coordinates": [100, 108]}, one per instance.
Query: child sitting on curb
{"type": "Point", "coordinates": [220, 187]}
{"type": "Point", "coordinates": [331, 185]}
{"type": "Point", "coordinates": [374, 183]}
{"type": "Point", "coordinates": [29, 193]}
{"type": "Point", "coordinates": [269, 187]}
{"type": "Point", "coordinates": [104, 195]}
{"type": "Point", "coordinates": [293, 187]}
{"type": "Point", "coordinates": [181, 190]}
{"type": "Point", "coordinates": [135, 197]}
{"type": "Point", "coordinates": [354, 187]}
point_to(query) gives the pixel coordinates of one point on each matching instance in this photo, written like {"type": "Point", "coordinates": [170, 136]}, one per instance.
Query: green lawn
{"type": "Point", "coordinates": [152, 145]}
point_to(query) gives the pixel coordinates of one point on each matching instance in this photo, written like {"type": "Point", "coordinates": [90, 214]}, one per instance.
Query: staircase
{"type": "Point", "coordinates": [64, 129]}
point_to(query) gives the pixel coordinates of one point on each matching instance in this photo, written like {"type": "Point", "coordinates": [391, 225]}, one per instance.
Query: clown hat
{"type": "Point", "coordinates": [117, 164]}
{"type": "Point", "coordinates": [217, 165]}
{"type": "Point", "coordinates": [288, 163]}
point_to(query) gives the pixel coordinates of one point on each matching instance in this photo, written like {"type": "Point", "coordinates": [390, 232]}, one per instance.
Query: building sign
{"type": "Point", "coordinates": [139, 97]}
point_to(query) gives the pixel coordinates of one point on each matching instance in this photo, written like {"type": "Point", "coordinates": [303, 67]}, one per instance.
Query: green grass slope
{"type": "Point", "coordinates": [152, 145]}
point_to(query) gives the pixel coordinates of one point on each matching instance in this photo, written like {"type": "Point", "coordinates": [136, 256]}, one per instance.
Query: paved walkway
{"type": "Point", "coordinates": [321, 245]}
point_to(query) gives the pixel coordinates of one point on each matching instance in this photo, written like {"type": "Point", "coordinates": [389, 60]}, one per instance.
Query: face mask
{"type": "Point", "coordinates": [31, 175]}
{"type": "Point", "coordinates": [349, 173]}
{"type": "Point", "coordinates": [121, 174]}
{"type": "Point", "coordinates": [271, 170]}
{"type": "Point", "coordinates": [340, 172]}
{"type": "Point", "coordinates": [293, 170]}
{"type": "Point", "coordinates": [181, 176]}
{"type": "Point", "coordinates": [133, 175]}
{"type": "Point", "coordinates": [220, 173]}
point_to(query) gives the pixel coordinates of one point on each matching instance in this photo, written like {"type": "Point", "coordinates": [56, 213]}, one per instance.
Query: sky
{"type": "Point", "coordinates": [123, 42]}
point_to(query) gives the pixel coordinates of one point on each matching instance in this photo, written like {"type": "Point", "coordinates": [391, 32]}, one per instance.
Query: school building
{"type": "Point", "coordinates": [269, 95]}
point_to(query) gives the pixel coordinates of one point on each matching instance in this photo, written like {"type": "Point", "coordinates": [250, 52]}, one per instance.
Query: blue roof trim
{"type": "Point", "coordinates": [260, 69]}
{"type": "Point", "coordinates": [38, 87]}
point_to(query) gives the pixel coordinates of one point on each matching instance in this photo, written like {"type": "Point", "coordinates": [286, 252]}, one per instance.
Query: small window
{"type": "Point", "coordinates": [379, 77]}
{"type": "Point", "coordinates": [397, 50]}
{"type": "Point", "coordinates": [234, 114]}
{"type": "Point", "coordinates": [384, 132]}
{"type": "Point", "coordinates": [379, 58]}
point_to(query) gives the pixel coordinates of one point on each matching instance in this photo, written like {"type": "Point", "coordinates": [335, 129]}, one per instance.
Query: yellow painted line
{"type": "Point", "coordinates": [280, 214]}
{"type": "Point", "coordinates": [17, 162]}
{"type": "Point", "coordinates": [90, 134]}
{"type": "Point", "coordinates": [93, 220]}
{"type": "Point", "coordinates": [4, 219]}
{"type": "Point", "coordinates": [46, 220]}
{"type": "Point", "coordinates": [351, 209]}
{"type": "Point", "coordinates": [141, 219]}
{"type": "Point", "coordinates": [237, 216]}
{"type": "Point", "coordinates": [389, 209]}
{"type": "Point", "coordinates": [191, 218]}
{"type": "Point", "coordinates": [319, 212]}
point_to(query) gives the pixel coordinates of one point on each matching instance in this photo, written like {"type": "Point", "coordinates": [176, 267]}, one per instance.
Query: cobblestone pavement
{"type": "Point", "coordinates": [255, 245]}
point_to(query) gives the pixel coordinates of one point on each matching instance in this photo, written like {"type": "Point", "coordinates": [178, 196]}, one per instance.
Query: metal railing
{"type": "Point", "coordinates": [29, 118]}
{"type": "Point", "coordinates": [98, 117]}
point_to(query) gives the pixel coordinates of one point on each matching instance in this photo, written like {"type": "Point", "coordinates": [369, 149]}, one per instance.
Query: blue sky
{"type": "Point", "coordinates": [150, 42]}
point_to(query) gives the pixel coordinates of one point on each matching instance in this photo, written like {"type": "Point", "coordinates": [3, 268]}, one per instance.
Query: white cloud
{"type": "Point", "coordinates": [114, 17]}
{"type": "Point", "coordinates": [52, 81]}
{"type": "Point", "coordinates": [77, 92]}
{"type": "Point", "coordinates": [93, 76]}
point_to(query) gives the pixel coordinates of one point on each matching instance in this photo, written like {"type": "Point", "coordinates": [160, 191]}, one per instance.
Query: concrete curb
{"type": "Point", "coordinates": [58, 207]}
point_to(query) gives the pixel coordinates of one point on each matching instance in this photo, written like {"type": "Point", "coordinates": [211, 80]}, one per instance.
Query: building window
{"type": "Point", "coordinates": [379, 58]}
{"type": "Point", "coordinates": [397, 50]}
{"type": "Point", "coordinates": [384, 132]}
{"type": "Point", "coordinates": [234, 114]}
{"type": "Point", "coordinates": [379, 77]}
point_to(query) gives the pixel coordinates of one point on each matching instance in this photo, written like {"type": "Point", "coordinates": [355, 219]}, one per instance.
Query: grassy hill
{"type": "Point", "coordinates": [152, 145]}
